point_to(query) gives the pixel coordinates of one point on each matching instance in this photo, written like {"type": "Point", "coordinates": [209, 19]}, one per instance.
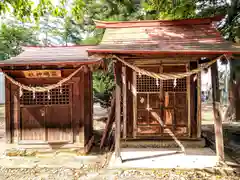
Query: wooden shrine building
{"type": "Point", "coordinates": [157, 105]}
{"type": "Point", "coordinates": [49, 98]}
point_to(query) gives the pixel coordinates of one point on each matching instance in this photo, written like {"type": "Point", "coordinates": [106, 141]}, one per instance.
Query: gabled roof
{"type": "Point", "coordinates": [191, 36]}
{"type": "Point", "coordinates": [51, 56]}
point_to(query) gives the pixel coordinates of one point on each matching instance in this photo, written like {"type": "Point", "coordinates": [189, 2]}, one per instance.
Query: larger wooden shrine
{"type": "Point", "coordinates": [152, 108]}
{"type": "Point", "coordinates": [60, 116]}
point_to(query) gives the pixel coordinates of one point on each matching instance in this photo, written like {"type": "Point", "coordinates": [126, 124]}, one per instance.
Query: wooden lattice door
{"type": "Point", "coordinates": [161, 104]}
{"type": "Point", "coordinates": [46, 116]}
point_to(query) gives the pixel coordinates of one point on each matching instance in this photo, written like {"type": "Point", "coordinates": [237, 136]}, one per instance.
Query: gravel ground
{"type": "Point", "coordinates": [69, 174]}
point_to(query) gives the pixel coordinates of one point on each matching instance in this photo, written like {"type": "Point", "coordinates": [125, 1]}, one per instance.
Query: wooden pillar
{"type": "Point", "coordinates": [117, 66]}
{"type": "Point", "coordinates": [8, 118]}
{"type": "Point", "coordinates": [199, 106]}
{"type": "Point", "coordinates": [189, 101]}
{"type": "Point", "coordinates": [134, 109]}
{"type": "Point", "coordinates": [124, 94]}
{"type": "Point", "coordinates": [217, 117]}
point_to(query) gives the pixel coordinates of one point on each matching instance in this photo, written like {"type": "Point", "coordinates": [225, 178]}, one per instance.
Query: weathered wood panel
{"type": "Point", "coordinates": [32, 124]}
{"type": "Point", "coordinates": [59, 124]}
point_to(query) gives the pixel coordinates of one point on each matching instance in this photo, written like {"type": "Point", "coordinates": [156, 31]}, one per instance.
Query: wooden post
{"type": "Point", "coordinates": [134, 92]}
{"type": "Point", "coordinates": [8, 115]}
{"type": "Point", "coordinates": [217, 116]}
{"type": "Point", "coordinates": [118, 109]}
{"type": "Point", "coordinates": [199, 105]}
{"type": "Point", "coordinates": [124, 93]}
{"type": "Point", "coordinates": [189, 100]}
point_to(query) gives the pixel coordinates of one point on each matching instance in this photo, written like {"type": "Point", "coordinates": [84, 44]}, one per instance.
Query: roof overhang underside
{"type": "Point", "coordinates": [194, 36]}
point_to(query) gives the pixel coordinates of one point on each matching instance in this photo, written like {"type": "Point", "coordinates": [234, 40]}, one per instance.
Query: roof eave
{"type": "Point", "coordinates": [88, 62]}
{"type": "Point", "coordinates": [160, 52]}
{"type": "Point", "coordinates": [142, 23]}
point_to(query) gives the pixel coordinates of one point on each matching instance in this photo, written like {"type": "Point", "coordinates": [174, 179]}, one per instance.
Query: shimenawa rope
{"type": "Point", "coordinates": [166, 76]}
{"type": "Point", "coordinates": [44, 88]}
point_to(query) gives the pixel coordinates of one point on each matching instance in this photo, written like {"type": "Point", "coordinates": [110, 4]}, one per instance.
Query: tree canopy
{"type": "Point", "coordinates": [12, 37]}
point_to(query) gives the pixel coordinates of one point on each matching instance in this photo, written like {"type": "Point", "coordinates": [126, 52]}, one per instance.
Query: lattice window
{"type": "Point", "coordinates": [55, 96]}
{"type": "Point", "coordinates": [147, 84]}
{"type": "Point", "coordinates": [168, 85]}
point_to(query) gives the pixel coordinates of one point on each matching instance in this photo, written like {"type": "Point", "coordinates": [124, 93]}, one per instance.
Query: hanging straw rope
{"type": "Point", "coordinates": [166, 76]}
{"type": "Point", "coordinates": [45, 88]}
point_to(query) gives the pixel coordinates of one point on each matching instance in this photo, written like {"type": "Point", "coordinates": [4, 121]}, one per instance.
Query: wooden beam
{"type": "Point", "coordinates": [118, 109]}
{"type": "Point", "coordinates": [124, 94]}
{"type": "Point", "coordinates": [216, 111]}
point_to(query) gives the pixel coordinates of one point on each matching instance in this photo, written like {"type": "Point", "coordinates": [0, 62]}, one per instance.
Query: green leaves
{"type": "Point", "coordinates": [28, 10]}
{"type": "Point", "coordinates": [12, 37]}
{"type": "Point", "coordinates": [169, 9]}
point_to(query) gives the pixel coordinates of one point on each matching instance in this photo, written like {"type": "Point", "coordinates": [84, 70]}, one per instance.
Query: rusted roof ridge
{"type": "Point", "coordinates": [153, 23]}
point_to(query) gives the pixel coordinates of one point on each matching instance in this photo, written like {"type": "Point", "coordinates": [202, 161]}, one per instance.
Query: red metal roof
{"type": "Point", "coordinates": [196, 36]}
{"type": "Point", "coordinates": [51, 56]}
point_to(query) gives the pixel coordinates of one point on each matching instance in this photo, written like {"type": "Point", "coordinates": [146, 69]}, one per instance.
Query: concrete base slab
{"type": "Point", "coordinates": [164, 158]}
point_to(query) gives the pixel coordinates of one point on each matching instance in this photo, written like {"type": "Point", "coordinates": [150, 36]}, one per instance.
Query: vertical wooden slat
{"type": "Point", "coordinates": [161, 97]}
{"type": "Point", "coordinates": [16, 114]}
{"type": "Point", "coordinates": [188, 101]}
{"type": "Point", "coordinates": [7, 110]}
{"type": "Point", "coordinates": [129, 75]}
{"type": "Point", "coordinates": [91, 103]}
{"type": "Point", "coordinates": [199, 105]}
{"type": "Point", "coordinates": [118, 109]}
{"type": "Point", "coordinates": [82, 116]}
{"type": "Point", "coordinates": [76, 110]}
{"type": "Point", "coordinates": [134, 92]}
{"type": "Point", "coordinates": [217, 117]}
{"type": "Point", "coordinates": [124, 93]}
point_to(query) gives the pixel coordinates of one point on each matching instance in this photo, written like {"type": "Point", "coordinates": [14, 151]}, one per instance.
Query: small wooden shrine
{"type": "Point", "coordinates": [49, 98]}
{"type": "Point", "coordinates": [157, 69]}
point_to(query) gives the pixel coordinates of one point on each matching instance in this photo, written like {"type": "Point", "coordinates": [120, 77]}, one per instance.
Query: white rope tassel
{"type": "Point", "coordinates": [49, 96]}
{"type": "Point", "coordinates": [157, 82]}
{"type": "Point", "coordinates": [20, 92]}
{"type": "Point", "coordinates": [60, 88]}
{"type": "Point", "coordinates": [139, 75]}
{"type": "Point", "coordinates": [175, 83]}
{"type": "Point", "coordinates": [34, 95]}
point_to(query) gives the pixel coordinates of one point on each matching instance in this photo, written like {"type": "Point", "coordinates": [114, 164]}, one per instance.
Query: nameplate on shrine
{"type": "Point", "coordinates": [42, 73]}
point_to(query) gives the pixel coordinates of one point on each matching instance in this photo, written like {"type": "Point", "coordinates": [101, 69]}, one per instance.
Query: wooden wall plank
{"type": "Point", "coordinates": [82, 115]}
{"type": "Point", "coordinates": [16, 111]}
{"type": "Point", "coordinates": [124, 94]}
{"type": "Point", "coordinates": [118, 109]}
{"type": "Point", "coordinates": [8, 111]}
